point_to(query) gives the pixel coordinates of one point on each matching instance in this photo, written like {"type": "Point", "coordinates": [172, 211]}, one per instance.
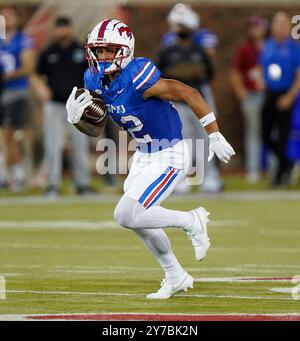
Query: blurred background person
{"type": "Point", "coordinates": [186, 55]}
{"type": "Point", "coordinates": [17, 59]}
{"type": "Point", "coordinates": [294, 141]}
{"type": "Point", "coordinates": [247, 82]}
{"type": "Point", "coordinates": [3, 176]}
{"type": "Point", "coordinates": [60, 67]}
{"type": "Point", "coordinates": [280, 60]}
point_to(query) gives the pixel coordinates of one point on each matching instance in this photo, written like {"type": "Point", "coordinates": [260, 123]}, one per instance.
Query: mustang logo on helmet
{"type": "Point", "coordinates": [125, 29]}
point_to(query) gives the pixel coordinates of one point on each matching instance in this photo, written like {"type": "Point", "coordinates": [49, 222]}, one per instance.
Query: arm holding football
{"type": "Point", "coordinates": [89, 129]}
{"type": "Point", "coordinates": [75, 108]}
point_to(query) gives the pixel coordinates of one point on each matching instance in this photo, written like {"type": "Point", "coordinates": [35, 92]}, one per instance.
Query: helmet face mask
{"type": "Point", "coordinates": [114, 35]}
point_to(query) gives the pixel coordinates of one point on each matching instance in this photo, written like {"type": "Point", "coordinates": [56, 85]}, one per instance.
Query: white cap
{"type": "Point", "coordinates": [183, 14]}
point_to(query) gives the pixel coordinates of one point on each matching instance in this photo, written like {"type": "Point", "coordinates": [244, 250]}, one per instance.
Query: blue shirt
{"type": "Point", "coordinates": [10, 58]}
{"type": "Point", "coordinates": [153, 123]}
{"type": "Point", "coordinates": [280, 62]}
{"type": "Point", "coordinates": [201, 37]}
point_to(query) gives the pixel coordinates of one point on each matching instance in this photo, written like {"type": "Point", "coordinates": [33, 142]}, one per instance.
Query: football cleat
{"type": "Point", "coordinates": [198, 233]}
{"type": "Point", "coordinates": [169, 288]}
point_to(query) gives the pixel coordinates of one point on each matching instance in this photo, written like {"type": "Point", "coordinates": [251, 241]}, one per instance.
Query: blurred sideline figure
{"type": "Point", "coordinates": [247, 83]}
{"type": "Point", "coordinates": [3, 178]}
{"type": "Point", "coordinates": [61, 66]}
{"type": "Point", "coordinates": [17, 59]}
{"type": "Point", "coordinates": [280, 60]}
{"type": "Point", "coordinates": [294, 139]}
{"type": "Point", "coordinates": [186, 55]}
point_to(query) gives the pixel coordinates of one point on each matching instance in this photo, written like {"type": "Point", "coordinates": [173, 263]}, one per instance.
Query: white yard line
{"type": "Point", "coordinates": [271, 266]}
{"type": "Point", "coordinates": [192, 269]}
{"type": "Point", "coordinates": [68, 246]}
{"type": "Point", "coordinates": [91, 225]}
{"type": "Point", "coordinates": [251, 269]}
{"type": "Point", "coordinates": [283, 232]}
{"type": "Point", "coordinates": [239, 297]}
{"type": "Point", "coordinates": [88, 271]}
{"type": "Point", "coordinates": [241, 279]}
{"type": "Point", "coordinates": [282, 290]}
{"type": "Point", "coordinates": [61, 224]}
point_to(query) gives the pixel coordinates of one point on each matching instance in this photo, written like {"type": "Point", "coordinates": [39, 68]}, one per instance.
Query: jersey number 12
{"type": "Point", "coordinates": [134, 132]}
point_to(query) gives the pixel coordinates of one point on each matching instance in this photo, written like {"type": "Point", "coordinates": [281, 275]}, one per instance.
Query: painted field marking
{"type": "Point", "coordinates": [287, 232]}
{"type": "Point", "coordinates": [143, 295]}
{"type": "Point", "coordinates": [270, 266]}
{"type": "Point", "coordinates": [251, 269]}
{"type": "Point", "coordinates": [282, 290]}
{"type": "Point", "coordinates": [152, 317]}
{"type": "Point", "coordinates": [2, 288]}
{"type": "Point", "coordinates": [90, 225]}
{"type": "Point", "coordinates": [88, 271]}
{"type": "Point", "coordinates": [125, 267]}
{"type": "Point", "coordinates": [192, 269]}
{"type": "Point", "coordinates": [61, 224]}
{"type": "Point", "coordinates": [64, 246]}
{"type": "Point", "coordinates": [243, 279]}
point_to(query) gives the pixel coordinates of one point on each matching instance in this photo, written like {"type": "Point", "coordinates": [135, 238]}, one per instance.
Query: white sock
{"type": "Point", "coordinates": [160, 246]}
{"type": "Point", "coordinates": [17, 171]}
{"type": "Point", "coordinates": [3, 169]}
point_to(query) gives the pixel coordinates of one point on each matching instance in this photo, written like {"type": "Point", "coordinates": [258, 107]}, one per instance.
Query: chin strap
{"type": "Point", "coordinates": [106, 67]}
{"type": "Point", "coordinates": [113, 67]}
{"type": "Point", "coordinates": [102, 68]}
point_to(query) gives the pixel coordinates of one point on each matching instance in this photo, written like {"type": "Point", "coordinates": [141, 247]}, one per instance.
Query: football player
{"type": "Point", "coordinates": [17, 58]}
{"type": "Point", "coordinates": [138, 100]}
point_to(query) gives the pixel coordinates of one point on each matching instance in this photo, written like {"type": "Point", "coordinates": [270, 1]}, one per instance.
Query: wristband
{"type": "Point", "coordinates": [207, 119]}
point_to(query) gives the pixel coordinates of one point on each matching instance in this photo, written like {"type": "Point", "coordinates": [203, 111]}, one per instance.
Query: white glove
{"type": "Point", "coordinates": [75, 107]}
{"type": "Point", "coordinates": [219, 146]}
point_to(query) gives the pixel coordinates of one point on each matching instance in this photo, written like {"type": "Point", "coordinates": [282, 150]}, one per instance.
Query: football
{"type": "Point", "coordinates": [96, 112]}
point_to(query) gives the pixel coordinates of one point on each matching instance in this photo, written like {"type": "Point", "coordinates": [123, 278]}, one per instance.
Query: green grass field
{"type": "Point", "coordinates": [70, 257]}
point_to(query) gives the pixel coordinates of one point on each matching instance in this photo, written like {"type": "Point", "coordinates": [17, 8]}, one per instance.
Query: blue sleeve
{"type": "Point", "coordinates": [144, 74]}
{"type": "Point", "coordinates": [205, 39]}
{"type": "Point", "coordinates": [89, 82]}
{"type": "Point", "coordinates": [168, 39]}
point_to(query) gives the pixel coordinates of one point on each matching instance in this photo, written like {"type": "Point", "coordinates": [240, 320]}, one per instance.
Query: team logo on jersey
{"type": "Point", "coordinates": [126, 30]}
{"type": "Point", "coordinates": [118, 109]}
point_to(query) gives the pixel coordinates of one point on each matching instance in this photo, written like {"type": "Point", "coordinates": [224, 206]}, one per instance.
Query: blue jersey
{"type": "Point", "coordinates": [153, 123]}
{"type": "Point", "coordinates": [10, 58]}
{"type": "Point", "coordinates": [284, 58]}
